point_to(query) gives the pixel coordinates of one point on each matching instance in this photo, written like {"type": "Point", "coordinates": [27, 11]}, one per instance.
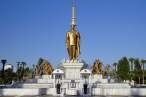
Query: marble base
{"type": "Point", "coordinates": [37, 77]}
{"type": "Point", "coordinates": [72, 69]}
{"type": "Point", "coordinates": [46, 76]}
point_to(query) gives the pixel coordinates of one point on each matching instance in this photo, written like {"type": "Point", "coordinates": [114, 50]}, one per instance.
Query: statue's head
{"type": "Point", "coordinates": [73, 28]}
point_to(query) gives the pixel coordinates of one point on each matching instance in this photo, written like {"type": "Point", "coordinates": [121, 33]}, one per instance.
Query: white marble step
{"type": "Point", "coordinates": [35, 85]}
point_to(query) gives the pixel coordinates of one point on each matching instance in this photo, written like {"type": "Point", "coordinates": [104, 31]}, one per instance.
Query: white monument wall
{"type": "Point", "coordinates": [27, 92]}
{"type": "Point", "coordinates": [119, 91]}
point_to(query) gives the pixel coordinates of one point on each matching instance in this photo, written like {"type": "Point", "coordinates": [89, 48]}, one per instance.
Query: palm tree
{"type": "Point", "coordinates": [23, 64]}
{"type": "Point", "coordinates": [115, 66]}
{"type": "Point", "coordinates": [27, 73]}
{"type": "Point", "coordinates": [138, 70]}
{"type": "Point", "coordinates": [142, 63]}
{"type": "Point", "coordinates": [3, 61]}
{"type": "Point", "coordinates": [131, 73]}
{"type": "Point", "coordinates": [23, 67]}
{"type": "Point", "coordinates": [131, 63]}
{"type": "Point", "coordinates": [33, 71]}
{"type": "Point", "coordinates": [18, 70]}
{"type": "Point", "coordinates": [108, 68]}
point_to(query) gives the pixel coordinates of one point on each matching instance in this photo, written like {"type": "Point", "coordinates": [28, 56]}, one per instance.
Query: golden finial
{"type": "Point", "coordinates": [73, 13]}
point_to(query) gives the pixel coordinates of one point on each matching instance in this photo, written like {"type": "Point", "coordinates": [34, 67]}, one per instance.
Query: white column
{"type": "Point", "coordinates": [63, 76]}
{"type": "Point", "coordinates": [53, 76]}
{"type": "Point", "coordinates": [89, 78]}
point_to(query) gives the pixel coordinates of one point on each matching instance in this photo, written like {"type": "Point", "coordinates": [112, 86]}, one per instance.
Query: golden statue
{"type": "Point", "coordinates": [73, 43]}
{"type": "Point", "coordinates": [73, 38]}
{"type": "Point", "coordinates": [47, 69]}
{"type": "Point", "coordinates": [43, 67]}
{"type": "Point", "coordinates": [97, 67]}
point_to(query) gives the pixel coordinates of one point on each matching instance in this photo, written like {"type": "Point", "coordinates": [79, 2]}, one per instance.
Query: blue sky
{"type": "Point", "coordinates": [110, 29]}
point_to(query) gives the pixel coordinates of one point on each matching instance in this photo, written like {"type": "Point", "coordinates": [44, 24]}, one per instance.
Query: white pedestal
{"type": "Point", "coordinates": [72, 77]}
{"type": "Point", "coordinates": [72, 70]}
{"type": "Point", "coordinates": [37, 77]}
{"type": "Point", "coordinates": [46, 76]}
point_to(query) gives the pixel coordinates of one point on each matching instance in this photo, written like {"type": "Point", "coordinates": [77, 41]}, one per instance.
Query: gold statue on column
{"type": "Point", "coordinates": [73, 38]}
{"type": "Point", "coordinates": [73, 43]}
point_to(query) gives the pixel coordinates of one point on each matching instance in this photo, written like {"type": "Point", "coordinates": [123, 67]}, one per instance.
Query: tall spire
{"type": "Point", "coordinates": [73, 13]}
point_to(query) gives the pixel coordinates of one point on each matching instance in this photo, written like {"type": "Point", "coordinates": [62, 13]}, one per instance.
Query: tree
{"type": "Point", "coordinates": [115, 66]}
{"type": "Point", "coordinates": [1, 77]}
{"type": "Point", "coordinates": [22, 70]}
{"type": "Point", "coordinates": [97, 67]}
{"type": "Point", "coordinates": [123, 68]}
{"type": "Point", "coordinates": [131, 60]}
{"type": "Point", "coordinates": [85, 66]}
{"type": "Point", "coordinates": [3, 61]}
{"type": "Point", "coordinates": [132, 67]}
{"type": "Point", "coordinates": [131, 75]}
{"type": "Point", "coordinates": [40, 61]}
{"type": "Point", "coordinates": [143, 63]}
{"type": "Point", "coordinates": [107, 70]}
{"type": "Point", "coordinates": [33, 70]}
{"type": "Point", "coordinates": [114, 71]}
{"type": "Point", "coordinates": [138, 70]}
{"type": "Point", "coordinates": [27, 73]}
{"type": "Point", "coordinates": [10, 76]}
{"type": "Point", "coordinates": [18, 71]}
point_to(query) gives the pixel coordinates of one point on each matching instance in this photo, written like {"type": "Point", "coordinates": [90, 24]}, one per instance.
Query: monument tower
{"type": "Point", "coordinates": [72, 66]}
